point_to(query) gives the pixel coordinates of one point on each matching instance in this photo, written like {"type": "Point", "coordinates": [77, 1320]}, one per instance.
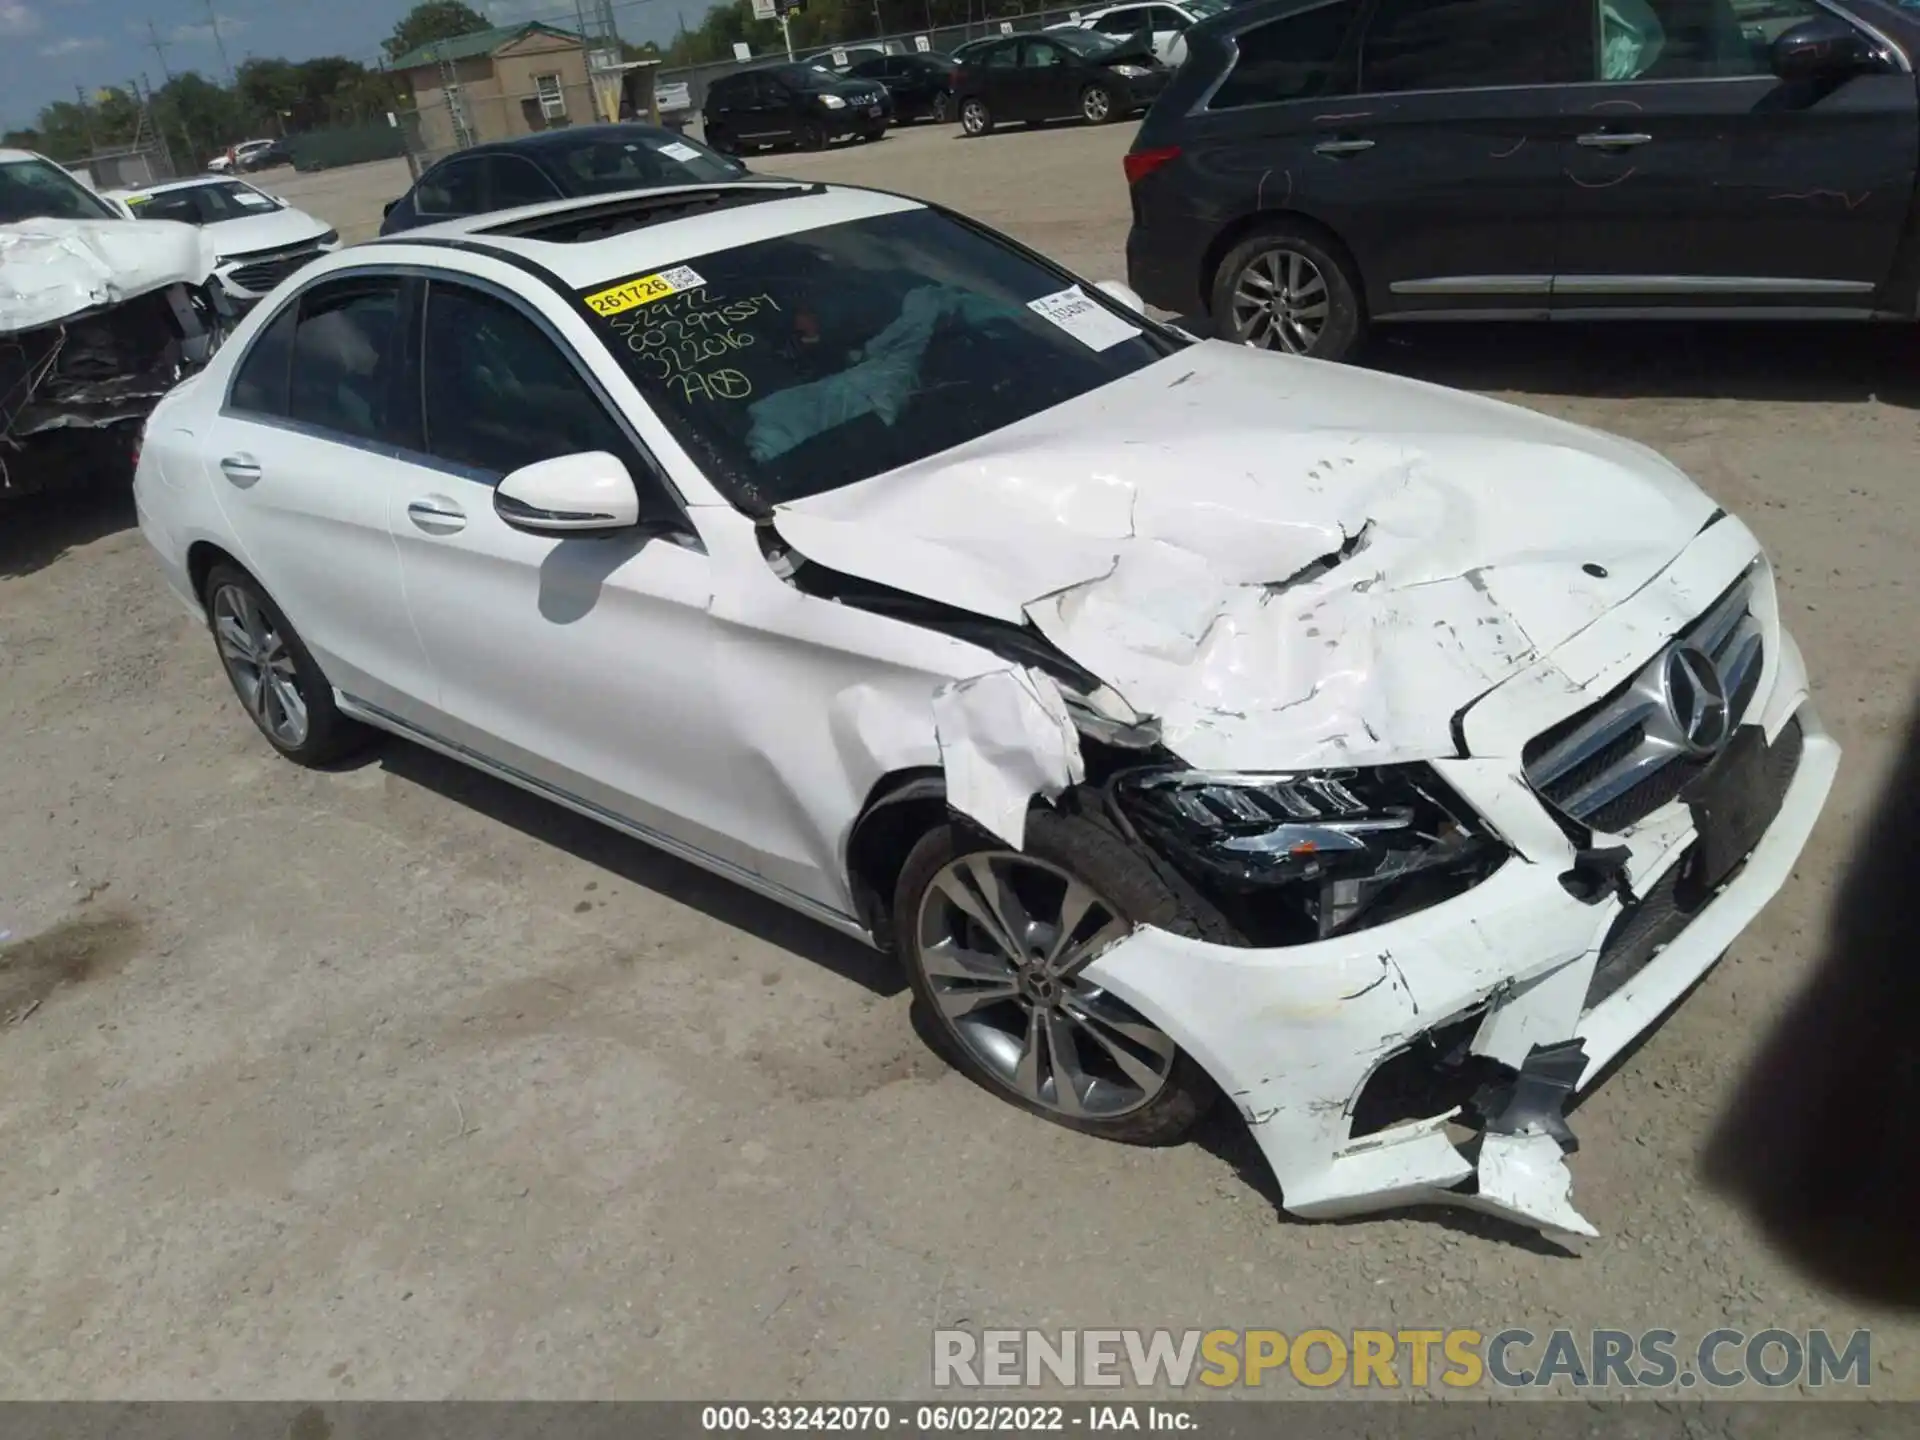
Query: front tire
{"type": "Point", "coordinates": [280, 686]}
{"type": "Point", "coordinates": [994, 942]}
{"type": "Point", "coordinates": [1285, 289]}
{"type": "Point", "coordinates": [813, 136]}
{"type": "Point", "coordinates": [975, 118]}
{"type": "Point", "coordinates": [722, 139]}
{"type": "Point", "coordinates": [1097, 105]}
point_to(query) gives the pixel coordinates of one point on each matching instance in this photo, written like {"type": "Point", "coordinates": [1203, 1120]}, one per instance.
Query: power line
{"type": "Point", "coordinates": [219, 41]}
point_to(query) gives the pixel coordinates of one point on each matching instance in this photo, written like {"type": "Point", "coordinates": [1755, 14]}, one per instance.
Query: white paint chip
{"type": "Point", "coordinates": [1090, 323]}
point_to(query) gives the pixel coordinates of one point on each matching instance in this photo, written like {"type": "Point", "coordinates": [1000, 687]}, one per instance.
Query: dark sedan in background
{"type": "Point", "coordinates": [1317, 165]}
{"type": "Point", "coordinates": [795, 104]}
{"type": "Point", "coordinates": [1055, 76]}
{"type": "Point", "coordinates": [555, 165]}
{"type": "Point", "coordinates": [921, 84]}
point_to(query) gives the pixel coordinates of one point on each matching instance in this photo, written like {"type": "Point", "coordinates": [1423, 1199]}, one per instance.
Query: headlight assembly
{"type": "Point", "coordinates": [1304, 856]}
{"type": "Point", "coordinates": [833, 102]}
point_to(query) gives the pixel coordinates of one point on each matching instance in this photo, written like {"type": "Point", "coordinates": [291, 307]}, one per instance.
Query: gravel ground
{"type": "Point", "coordinates": [395, 1082]}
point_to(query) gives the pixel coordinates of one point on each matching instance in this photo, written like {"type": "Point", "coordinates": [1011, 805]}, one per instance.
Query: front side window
{"type": "Point", "coordinates": [1297, 57]}
{"type": "Point", "coordinates": [451, 189]}
{"type": "Point", "coordinates": [1120, 22]}
{"type": "Point", "coordinates": [1475, 44]}
{"type": "Point", "coordinates": [496, 391]}
{"type": "Point", "coordinates": [1692, 39]}
{"type": "Point", "coordinates": [799, 364]}
{"type": "Point", "coordinates": [37, 190]}
{"type": "Point", "coordinates": [342, 356]}
{"type": "Point", "coordinates": [1039, 55]}
{"type": "Point", "coordinates": [1002, 57]}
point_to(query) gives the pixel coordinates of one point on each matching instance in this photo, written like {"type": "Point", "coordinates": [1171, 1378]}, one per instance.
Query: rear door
{"type": "Point", "coordinates": [306, 464]}
{"type": "Point", "coordinates": [1697, 180]}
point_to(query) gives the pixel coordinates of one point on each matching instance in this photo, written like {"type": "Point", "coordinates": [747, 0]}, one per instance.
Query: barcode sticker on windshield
{"type": "Point", "coordinates": [1093, 325]}
{"type": "Point", "coordinates": [632, 293]}
{"type": "Point", "coordinates": [680, 152]}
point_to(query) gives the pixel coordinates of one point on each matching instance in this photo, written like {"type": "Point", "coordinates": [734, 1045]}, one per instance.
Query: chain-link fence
{"type": "Point", "coordinates": [127, 167]}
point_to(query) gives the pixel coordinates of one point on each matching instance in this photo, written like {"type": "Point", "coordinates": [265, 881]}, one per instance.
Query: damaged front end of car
{"type": "Point", "coordinates": [76, 384]}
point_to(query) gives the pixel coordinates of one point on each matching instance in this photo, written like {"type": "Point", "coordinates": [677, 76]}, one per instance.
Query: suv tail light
{"type": "Point", "coordinates": [1142, 163]}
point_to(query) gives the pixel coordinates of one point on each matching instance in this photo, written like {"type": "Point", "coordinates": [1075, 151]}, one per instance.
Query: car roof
{"type": "Point", "coordinates": [566, 138]}
{"type": "Point", "coordinates": [792, 209]}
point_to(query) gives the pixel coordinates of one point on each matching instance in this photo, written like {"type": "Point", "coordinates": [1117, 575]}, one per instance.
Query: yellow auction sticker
{"type": "Point", "coordinates": [631, 293]}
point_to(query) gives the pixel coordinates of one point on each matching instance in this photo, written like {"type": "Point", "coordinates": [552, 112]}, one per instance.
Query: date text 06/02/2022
{"type": "Point", "coordinates": [967, 1418]}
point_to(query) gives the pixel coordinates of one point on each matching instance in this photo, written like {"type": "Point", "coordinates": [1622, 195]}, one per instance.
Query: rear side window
{"type": "Point", "coordinates": [518, 181]}
{"type": "Point", "coordinates": [1474, 44]}
{"type": "Point", "coordinates": [1294, 58]}
{"type": "Point", "coordinates": [342, 357]}
{"type": "Point", "coordinates": [453, 189]}
{"type": "Point", "coordinates": [260, 383]}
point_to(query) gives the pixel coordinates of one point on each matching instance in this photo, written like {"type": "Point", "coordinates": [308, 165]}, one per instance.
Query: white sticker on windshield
{"type": "Point", "coordinates": [1092, 325]}
{"type": "Point", "coordinates": [680, 152]}
{"type": "Point", "coordinates": [254, 202]}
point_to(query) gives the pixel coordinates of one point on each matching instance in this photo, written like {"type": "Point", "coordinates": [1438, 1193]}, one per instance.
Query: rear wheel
{"type": "Point", "coordinates": [1096, 105]}
{"type": "Point", "coordinates": [975, 118]}
{"type": "Point", "coordinates": [942, 110]}
{"type": "Point", "coordinates": [280, 686]}
{"type": "Point", "coordinates": [996, 942]}
{"type": "Point", "coordinates": [1285, 289]}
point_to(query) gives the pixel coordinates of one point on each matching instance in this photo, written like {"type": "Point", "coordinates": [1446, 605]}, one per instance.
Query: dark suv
{"type": "Point", "coordinates": [1316, 164]}
{"type": "Point", "coordinates": [792, 105]}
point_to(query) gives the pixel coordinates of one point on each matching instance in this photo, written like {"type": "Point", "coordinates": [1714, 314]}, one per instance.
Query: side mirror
{"type": "Point", "coordinates": [1823, 48]}
{"type": "Point", "coordinates": [585, 494]}
{"type": "Point", "coordinates": [1125, 294]}
{"type": "Point", "coordinates": [387, 209]}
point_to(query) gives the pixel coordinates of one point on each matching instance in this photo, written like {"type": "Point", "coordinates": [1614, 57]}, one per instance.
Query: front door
{"type": "Point", "coordinates": [305, 468]}
{"type": "Point", "coordinates": [584, 664]}
{"type": "Point", "coordinates": [1697, 180]}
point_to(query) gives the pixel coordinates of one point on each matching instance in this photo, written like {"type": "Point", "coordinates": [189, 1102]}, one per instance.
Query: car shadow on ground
{"type": "Point", "coordinates": [37, 530]}
{"type": "Point", "coordinates": [1821, 1144]}
{"type": "Point", "coordinates": [1670, 360]}
{"type": "Point", "coordinates": [640, 864]}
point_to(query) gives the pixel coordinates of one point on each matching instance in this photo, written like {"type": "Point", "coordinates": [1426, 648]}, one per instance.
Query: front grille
{"type": "Point", "coordinates": [262, 274]}
{"type": "Point", "coordinates": [1613, 765]}
{"type": "Point", "coordinates": [1761, 774]}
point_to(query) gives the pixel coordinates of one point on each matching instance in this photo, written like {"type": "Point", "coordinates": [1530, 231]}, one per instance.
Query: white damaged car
{"type": "Point", "coordinates": [1190, 720]}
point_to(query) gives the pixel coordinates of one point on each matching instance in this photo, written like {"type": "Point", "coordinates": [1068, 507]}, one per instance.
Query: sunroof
{"type": "Point", "coordinates": [633, 212]}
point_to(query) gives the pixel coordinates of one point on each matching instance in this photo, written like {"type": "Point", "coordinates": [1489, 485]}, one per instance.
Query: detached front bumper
{"type": "Point", "coordinates": [1472, 1008]}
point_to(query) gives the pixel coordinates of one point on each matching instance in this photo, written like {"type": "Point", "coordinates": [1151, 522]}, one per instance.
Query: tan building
{"type": "Point", "coordinates": [496, 84]}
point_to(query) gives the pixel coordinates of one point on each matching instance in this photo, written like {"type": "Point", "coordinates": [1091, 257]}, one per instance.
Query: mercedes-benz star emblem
{"type": "Point", "coordinates": [1696, 699]}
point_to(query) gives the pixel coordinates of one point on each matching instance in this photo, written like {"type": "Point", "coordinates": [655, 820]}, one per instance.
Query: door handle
{"type": "Point", "coordinates": [1342, 147]}
{"type": "Point", "coordinates": [437, 515]}
{"type": "Point", "coordinates": [1612, 140]}
{"type": "Point", "coordinates": [241, 469]}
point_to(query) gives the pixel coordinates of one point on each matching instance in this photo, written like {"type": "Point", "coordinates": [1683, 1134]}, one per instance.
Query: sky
{"type": "Point", "coordinates": [47, 47]}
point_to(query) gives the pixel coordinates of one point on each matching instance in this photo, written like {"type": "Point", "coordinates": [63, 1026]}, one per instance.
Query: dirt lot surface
{"type": "Point", "coordinates": [394, 1082]}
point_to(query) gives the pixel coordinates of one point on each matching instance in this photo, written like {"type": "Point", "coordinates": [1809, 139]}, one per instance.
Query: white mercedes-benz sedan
{"type": "Point", "coordinates": [1189, 719]}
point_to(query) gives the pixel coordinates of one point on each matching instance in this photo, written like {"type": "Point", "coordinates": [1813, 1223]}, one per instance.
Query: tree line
{"type": "Point", "coordinates": [827, 22]}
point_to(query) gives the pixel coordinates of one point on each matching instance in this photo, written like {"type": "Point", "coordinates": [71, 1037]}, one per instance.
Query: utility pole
{"type": "Point", "coordinates": [219, 41]}
{"type": "Point", "coordinates": [159, 48]}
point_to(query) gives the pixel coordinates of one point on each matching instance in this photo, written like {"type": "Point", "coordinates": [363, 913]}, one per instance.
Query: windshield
{"type": "Point", "coordinates": [601, 166]}
{"type": "Point", "coordinates": [37, 190]}
{"type": "Point", "coordinates": [203, 204]}
{"type": "Point", "coordinates": [800, 364]}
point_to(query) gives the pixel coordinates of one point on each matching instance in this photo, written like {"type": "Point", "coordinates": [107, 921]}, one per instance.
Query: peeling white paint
{"type": "Point", "coordinates": [1005, 737]}
{"type": "Point", "coordinates": [1526, 1177]}
{"type": "Point", "coordinates": [53, 269]}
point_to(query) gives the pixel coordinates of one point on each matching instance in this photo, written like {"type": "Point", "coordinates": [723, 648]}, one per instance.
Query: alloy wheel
{"type": "Point", "coordinates": [973, 117]}
{"type": "Point", "coordinates": [1004, 940]}
{"type": "Point", "coordinates": [260, 665]}
{"type": "Point", "coordinates": [1281, 302]}
{"type": "Point", "coordinates": [1096, 104]}
{"type": "Point", "coordinates": [942, 108]}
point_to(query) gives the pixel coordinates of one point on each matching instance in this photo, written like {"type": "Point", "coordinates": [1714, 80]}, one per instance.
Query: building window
{"type": "Point", "coordinates": [553, 100]}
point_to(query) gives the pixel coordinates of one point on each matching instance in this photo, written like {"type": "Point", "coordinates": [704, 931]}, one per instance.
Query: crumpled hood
{"type": "Point", "coordinates": [52, 269]}
{"type": "Point", "coordinates": [1286, 562]}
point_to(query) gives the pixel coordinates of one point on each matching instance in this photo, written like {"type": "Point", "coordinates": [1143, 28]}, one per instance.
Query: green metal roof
{"type": "Point", "coordinates": [467, 47]}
